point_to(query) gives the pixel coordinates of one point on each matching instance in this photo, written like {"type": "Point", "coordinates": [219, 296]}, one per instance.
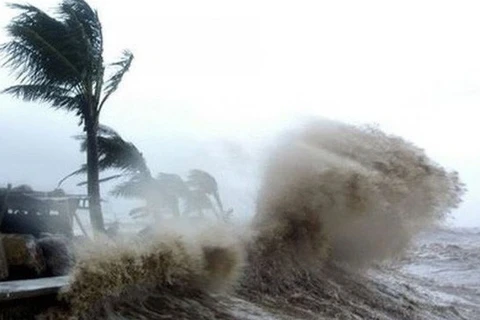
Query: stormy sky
{"type": "Point", "coordinates": [214, 81]}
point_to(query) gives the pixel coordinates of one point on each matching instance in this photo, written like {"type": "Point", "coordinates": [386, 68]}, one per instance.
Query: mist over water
{"type": "Point", "coordinates": [330, 193]}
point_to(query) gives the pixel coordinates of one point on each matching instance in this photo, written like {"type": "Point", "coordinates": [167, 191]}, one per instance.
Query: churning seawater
{"type": "Point", "coordinates": [346, 227]}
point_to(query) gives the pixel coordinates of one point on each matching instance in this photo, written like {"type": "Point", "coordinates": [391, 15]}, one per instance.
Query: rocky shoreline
{"type": "Point", "coordinates": [28, 257]}
{"type": "Point", "coordinates": [31, 270]}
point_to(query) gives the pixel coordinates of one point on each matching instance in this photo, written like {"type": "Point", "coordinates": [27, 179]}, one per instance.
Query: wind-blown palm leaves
{"type": "Point", "coordinates": [58, 60]}
{"type": "Point", "coordinates": [116, 153]}
{"type": "Point", "coordinates": [113, 153]}
{"type": "Point", "coordinates": [204, 183]}
{"type": "Point", "coordinates": [162, 193]}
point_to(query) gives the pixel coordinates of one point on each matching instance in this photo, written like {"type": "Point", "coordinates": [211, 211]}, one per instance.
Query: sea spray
{"type": "Point", "coordinates": [114, 272]}
{"type": "Point", "coordinates": [334, 193]}
{"type": "Point", "coordinates": [331, 193]}
{"type": "Point", "coordinates": [356, 191]}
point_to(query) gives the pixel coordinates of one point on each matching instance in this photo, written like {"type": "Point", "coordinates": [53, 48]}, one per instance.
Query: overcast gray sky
{"type": "Point", "coordinates": [239, 71]}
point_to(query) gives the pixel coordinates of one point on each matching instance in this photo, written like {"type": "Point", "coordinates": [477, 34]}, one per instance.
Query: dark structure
{"type": "Point", "coordinates": [24, 211]}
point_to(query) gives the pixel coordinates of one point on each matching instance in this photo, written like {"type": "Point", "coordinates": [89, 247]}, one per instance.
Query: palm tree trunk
{"type": "Point", "coordinates": [3, 204]}
{"type": "Point", "coordinates": [95, 207]}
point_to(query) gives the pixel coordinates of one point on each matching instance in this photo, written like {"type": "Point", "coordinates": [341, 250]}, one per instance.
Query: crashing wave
{"type": "Point", "coordinates": [331, 194]}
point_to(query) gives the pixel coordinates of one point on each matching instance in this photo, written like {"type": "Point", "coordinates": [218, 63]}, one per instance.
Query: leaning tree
{"type": "Point", "coordinates": [58, 59]}
{"type": "Point", "coordinates": [162, 192]}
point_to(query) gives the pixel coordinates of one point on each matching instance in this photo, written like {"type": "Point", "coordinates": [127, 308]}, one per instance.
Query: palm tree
{"type": "Point", "coordinates": [117, 154]}
{"type": "Point", "coordinates": [161, 192]}
{"type": "Point", "coordinates": [58, 60]}
{"type": "Point", "coordinates": [204, 183]}
{"type": "Point", "coordinates": [4, 192]}
{"type": "Point", "coordinates": [113, 153]}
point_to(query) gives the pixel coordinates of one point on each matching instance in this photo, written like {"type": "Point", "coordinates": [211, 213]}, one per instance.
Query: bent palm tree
{"type": "Point", "coordinates": [4, 192]}
{"type": "Point", "coordinates": [118, 154]}
{"type": "Point", "coordinates": [58, 60]}
{"type": "Point", "coordinates": [113, 153]}
{"type": "Point", "coordinates": [160, 193]}
{"type": "Point", "coordinates": [205, 183]}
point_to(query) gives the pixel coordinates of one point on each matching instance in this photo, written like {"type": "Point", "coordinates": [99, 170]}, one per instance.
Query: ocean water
{"type": "Point", "coordinates": [345, 227]}
{"type": "Point", "coordinates": [445, 264]}
{"type": "Point", "coordinates": [437, 277]}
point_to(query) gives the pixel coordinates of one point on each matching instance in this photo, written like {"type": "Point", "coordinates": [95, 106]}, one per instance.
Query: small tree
{"type": "Point", "coordinates": [59, 60]}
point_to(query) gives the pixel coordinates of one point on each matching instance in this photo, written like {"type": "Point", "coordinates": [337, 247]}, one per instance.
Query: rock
{"type": "Point", "coordinates": [24, 256]}
{"type": "Point", "coordinates": [58, 253]}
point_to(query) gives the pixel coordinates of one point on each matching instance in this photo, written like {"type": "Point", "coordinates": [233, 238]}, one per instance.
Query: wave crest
{"type": "Point", "coordinates": [330, 193]}
{"type": "Point", "coordinates": [354, 191]}
{"type": "Point", "coordinates": [208, 260]}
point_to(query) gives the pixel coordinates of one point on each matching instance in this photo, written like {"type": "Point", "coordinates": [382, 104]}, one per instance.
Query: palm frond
{"type": "Point", "coordinates": [81, 17]}
{"type": "Point", "coordinates": [34, 92]}
{"type": "Point", "coordinates": [171, 184]}
{"type": "Point", "coordinates": [138, 212]}
{"type": "Point", "coordinates": [136, 187]}
{"type": "Point", "coordinates": [116, 153]}
{"type": "Point", "coordinates": [113, 177]}
{"type": "Point", "coordinates": [83, 169]}
{"type": "Point", "coordinates": [202, 180]}
{"type": "Point", "coordinates": [57, 59]}
{"type": "Point", "coordinates": [105, 130]}
{"type": "Point", "coordinates": [58, 97]}
{"type": "Point", "coordinates": [197, 201]}
{"type": "Point", "coordinates": [121, 66]}
{"type": "Point", "coordinates": [43, 49]}
{"type": "Point", "coordinates": [205, 182]}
